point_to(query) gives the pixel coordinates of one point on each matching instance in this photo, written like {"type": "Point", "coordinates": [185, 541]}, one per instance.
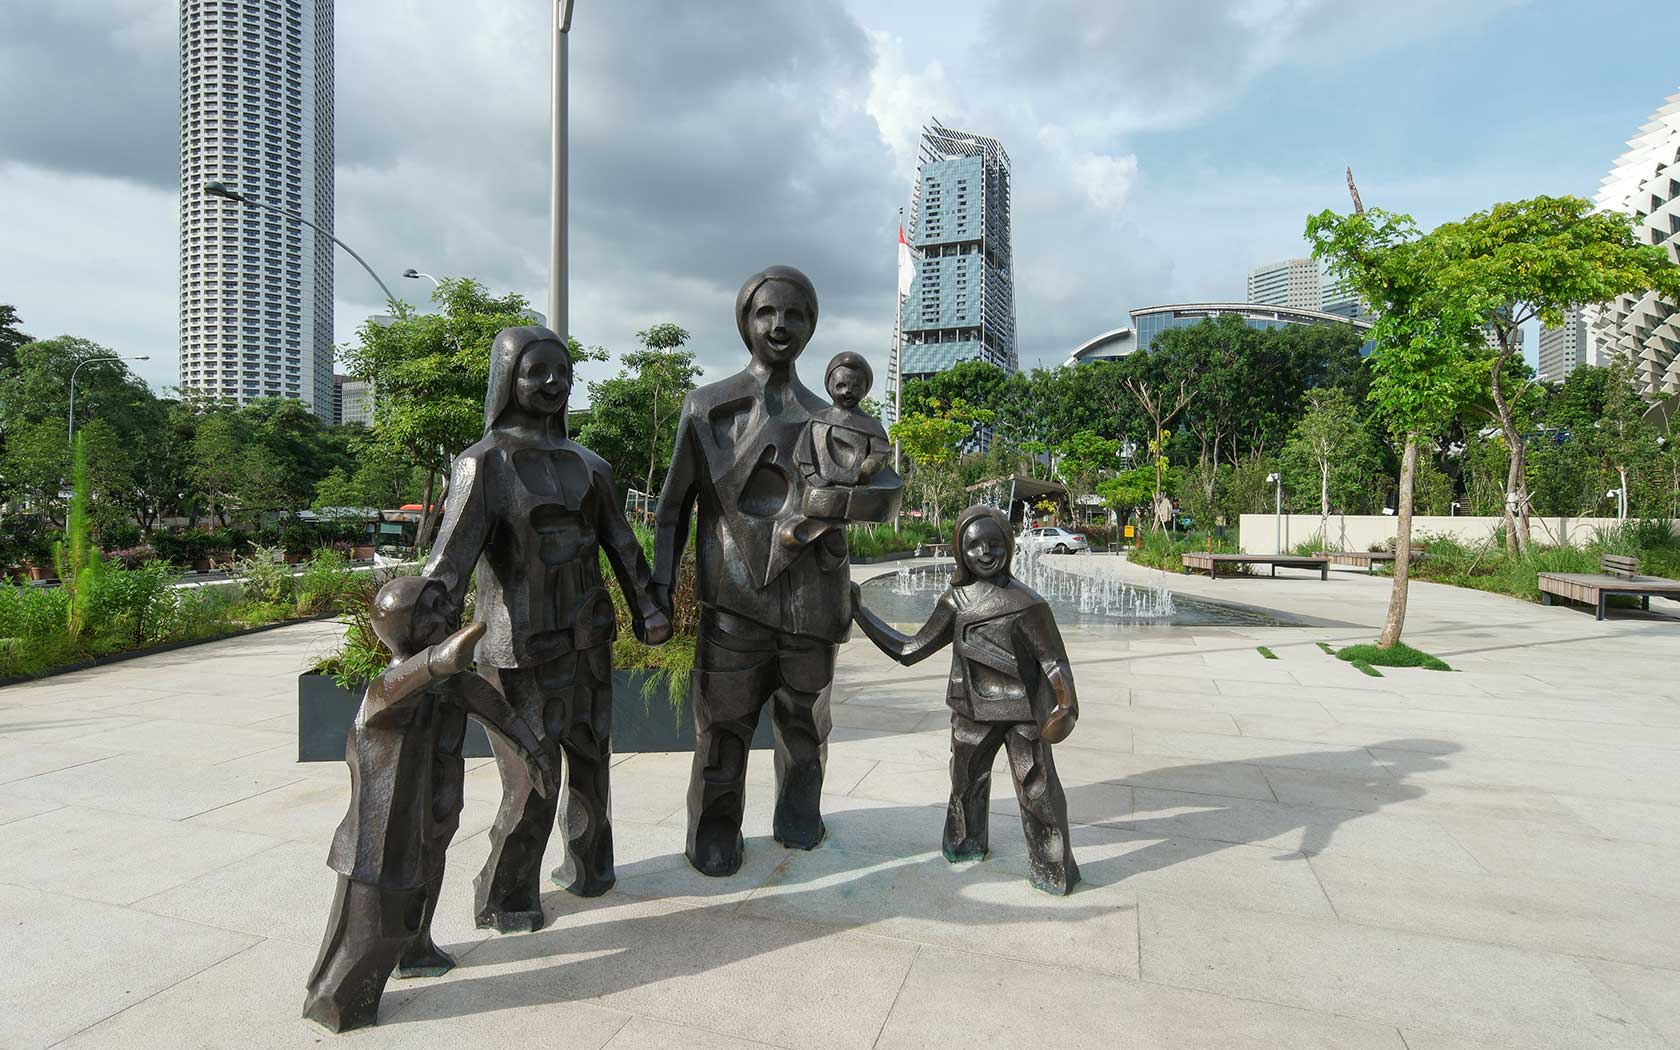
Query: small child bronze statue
{"type": "Point", "coordinates": [841, 446]}
{"type": "Point", "coordinates": [404, 753]}
{"type": "Point", "coordinates": [1010, 686]}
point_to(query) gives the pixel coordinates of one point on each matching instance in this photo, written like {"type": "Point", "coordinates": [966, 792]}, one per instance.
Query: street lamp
{"type": "Point", "coordinates": [414, 275]}
{"type": "Point", "coordinates": [1277, 480]}
{"type": "Point", "coordinates": [90, 361]}
{"type": "Point", "coordinates": [557, 319]}
{"type": "Point", "coordinates": [1620, 496]}
{"type": "Point", "coordinates": [217, 189]}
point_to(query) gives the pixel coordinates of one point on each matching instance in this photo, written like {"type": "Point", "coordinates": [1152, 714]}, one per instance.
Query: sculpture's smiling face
{"type": "Point", "coordinates": [985, 548]}
{"type": "Point", "coordinates": [544, 379]}
{"type": "Point", "coordinates": [780, 323]}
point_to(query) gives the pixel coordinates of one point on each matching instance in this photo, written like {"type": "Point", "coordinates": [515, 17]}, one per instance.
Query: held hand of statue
{"type": "Point", "coordinates": [655, 630]}
{"type": "Point", "coordinates": [857, 600]}
{"type": "Point", "coordinates": [453, 654]}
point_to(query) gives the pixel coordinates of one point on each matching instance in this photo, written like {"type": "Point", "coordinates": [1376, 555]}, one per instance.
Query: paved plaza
{"type": "Point", "coordinates": [1276, 854]}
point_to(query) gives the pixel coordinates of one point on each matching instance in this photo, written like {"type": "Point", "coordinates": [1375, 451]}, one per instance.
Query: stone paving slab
{"type": "Point", "coordinates": [1277, 853]}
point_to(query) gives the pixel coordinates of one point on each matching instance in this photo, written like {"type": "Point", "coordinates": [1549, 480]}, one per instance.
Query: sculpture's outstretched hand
{"type": "Point", "coordinates": [453, 654]}
{"type": "Point", "coordinates": [857, 601]}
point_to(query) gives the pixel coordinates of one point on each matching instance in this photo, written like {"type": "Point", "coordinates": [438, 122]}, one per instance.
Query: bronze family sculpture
{"type": "Point", "coordinates": [1010, 687]}
{"type": "Point", "coordinates": [774, 587]}
{"type": "Point", "coordinates": [527, 509]}
{"type": "Point", "coordinates": [768, 473]}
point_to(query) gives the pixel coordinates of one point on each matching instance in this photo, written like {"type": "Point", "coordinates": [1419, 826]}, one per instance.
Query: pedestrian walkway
{"type": "Point", "coordinates": [1277, 854]}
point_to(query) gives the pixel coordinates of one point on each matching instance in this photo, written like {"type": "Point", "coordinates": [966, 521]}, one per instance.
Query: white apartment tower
{"type": "Point", "coordinates": [1292, 283]}
{"type": "Point", "coordinates": [257, 114]}
{"type": "Point", "coordinates": [1564, 348]}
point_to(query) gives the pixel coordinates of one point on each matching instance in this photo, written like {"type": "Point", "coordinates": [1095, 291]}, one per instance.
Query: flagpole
{"type": "Point", "coordinates": [898, 342]}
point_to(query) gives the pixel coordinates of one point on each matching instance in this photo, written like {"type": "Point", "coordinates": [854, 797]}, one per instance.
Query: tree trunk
{"type": "Point", "coordinates": [1516, 477]}
{"type": "Point", "coordinates": [1324, 503]}
{"type": "Point", "coordinates": [1402, 548]}
{"type": "Point", "coordinates": [422, 534]}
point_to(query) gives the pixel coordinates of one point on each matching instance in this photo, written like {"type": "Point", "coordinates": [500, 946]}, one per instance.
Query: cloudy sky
{"type": "Point", "coordinates": [1160, 148]}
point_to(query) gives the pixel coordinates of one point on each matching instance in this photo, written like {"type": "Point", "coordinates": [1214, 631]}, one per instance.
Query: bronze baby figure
{"type": "Point", "coordinates": [841, 447]}
{"type": "Point", "coordinates": [1010, 686]}
{"type": "Point", "coordinates": [404, 753]}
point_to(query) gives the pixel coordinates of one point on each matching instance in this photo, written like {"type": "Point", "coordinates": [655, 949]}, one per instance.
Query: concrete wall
{"type": "Point", "coordinates": [1257, 533]}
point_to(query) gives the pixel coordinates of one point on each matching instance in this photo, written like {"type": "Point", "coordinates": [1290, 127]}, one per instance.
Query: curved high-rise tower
{"type": "Point", "coordinates": [962, 303]}
{"type": "Point", "coordinates": [257, 114]}
{"type": "Point", "coordinates": [1644, 328]}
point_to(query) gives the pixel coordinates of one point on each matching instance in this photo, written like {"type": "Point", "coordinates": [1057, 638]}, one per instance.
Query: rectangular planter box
{"type": "Point", "coordinates": [325, 712]}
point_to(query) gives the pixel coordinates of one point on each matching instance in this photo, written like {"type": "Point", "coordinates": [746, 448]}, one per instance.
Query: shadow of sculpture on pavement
{"type": "Point", "coordinates": [612, 954]}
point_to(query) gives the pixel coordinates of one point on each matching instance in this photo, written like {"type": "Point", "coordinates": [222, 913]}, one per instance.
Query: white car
{"type": "Point", "coordinates": [1054, 540]}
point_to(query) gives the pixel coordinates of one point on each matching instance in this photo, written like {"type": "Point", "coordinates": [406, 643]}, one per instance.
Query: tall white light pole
{"type": "Point", "coordinates": [414, 275]}
{"type": "Point", "coordinates": [1277, 480]}
{"type": "Point", "coordinates": [557, 319]}
{"type": "Point", "coordinates": [218, 189]}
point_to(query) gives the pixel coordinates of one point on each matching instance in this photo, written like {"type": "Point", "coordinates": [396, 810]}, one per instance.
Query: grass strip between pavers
{"type": "Point", "coordinates": [1397, 655]}
{"type": "Point", "coordinates": [1267, 653]}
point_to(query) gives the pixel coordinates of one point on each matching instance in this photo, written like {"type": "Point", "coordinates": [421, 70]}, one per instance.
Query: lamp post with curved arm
{"type": "Point", "coordinates": [71, 428]}
{"type": "Point", "coordinates": [218, 189]}
{"type": "Point", "coordinates": [414, 275]}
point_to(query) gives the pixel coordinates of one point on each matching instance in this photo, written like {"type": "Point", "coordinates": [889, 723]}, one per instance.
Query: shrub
{"type": "Point", "coordinates": [324, 584]}
{"type": "Point", "coordinates": [263, 576]}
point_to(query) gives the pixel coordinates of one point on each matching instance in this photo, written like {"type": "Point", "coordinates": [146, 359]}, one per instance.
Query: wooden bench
{"type": "Point", "coordinates": [1366, 560]}
{"type": "Point", "coordinates": [1210, 563]}
{"type": "Point", "coordinates": [1618, 574]}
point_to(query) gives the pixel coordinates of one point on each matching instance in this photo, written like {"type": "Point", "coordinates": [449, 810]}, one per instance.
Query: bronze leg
{"type": "Point", "coordinates": [508, 891]}
{"type": "Point", "coordinates": [586, 820]}
{"type": "Point", "coordinates": [800, 716]}
{"type": "Point", "coordinates": [734, 674]}
{"type": "Point", "coordinates": [973, 746]}
{"type": "Point", "coordinates": [1043, 811]}
{"type": "Point", "coordinates": [365, 933]}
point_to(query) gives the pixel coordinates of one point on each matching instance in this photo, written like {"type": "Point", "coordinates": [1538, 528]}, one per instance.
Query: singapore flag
{"type": "Point", "coordinates": [906, 263]}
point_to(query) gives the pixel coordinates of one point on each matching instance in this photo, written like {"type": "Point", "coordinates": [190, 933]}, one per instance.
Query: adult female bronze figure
{"type": "Point", "coordinates": [530, 508]}
{"type": "Point", "coordinates": [772, 614]}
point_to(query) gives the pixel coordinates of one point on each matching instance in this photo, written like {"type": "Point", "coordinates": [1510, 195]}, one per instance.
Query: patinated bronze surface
{"type": "Point", "coordinates": [1010, 686]}
{"type": "Point", "coordinates": [529, 508]}
{"type": "Point", "coordinates": [772, 612]}
{"type": "Point", "coordinates": [404, 753]}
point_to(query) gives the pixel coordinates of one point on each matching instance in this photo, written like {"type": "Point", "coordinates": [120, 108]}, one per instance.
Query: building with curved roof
{"type": "Point", "coordinates": [1150, 321]}
{"type": "Point", "coordinates": [1644, 328]}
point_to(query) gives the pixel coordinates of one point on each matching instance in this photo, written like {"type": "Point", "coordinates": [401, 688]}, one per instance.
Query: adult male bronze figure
{"type": "Point", "coordinates": [772, 615]}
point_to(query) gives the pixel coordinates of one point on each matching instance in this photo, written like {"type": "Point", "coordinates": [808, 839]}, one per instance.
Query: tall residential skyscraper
{"type": "Point", "coordinates": [1644, 328]}
{"type": "Point", "coordinates": [1292, 283]}
{"type": "Point", "coordinates": [257, 114]}
{"type": "Point", "coordinates": [961, 306]}
{"type": "Point", "coordinates": [1563, 348]}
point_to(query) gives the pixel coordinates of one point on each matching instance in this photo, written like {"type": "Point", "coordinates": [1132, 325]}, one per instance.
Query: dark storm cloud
{"type": "Point", "coordinates": [706, 143]}
{"type": "Point", "coordinates": [91, 87]}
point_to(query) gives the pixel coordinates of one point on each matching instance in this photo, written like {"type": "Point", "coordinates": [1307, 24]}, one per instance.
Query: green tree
{"type": "Point", "coordinates": [428, 373]}
{"type": "Point", "coordinates": [217, 462]}
{"type": "Point", "coordinates": [934, 444]}
{"type": "Point", "coordinates": [1327, 436]}
{"type": "Point", "coordinates": [11, 336]}
{"type": "Point", "coordinates": [35, 464]}
{"type": "Point", "coordinates": [1082, 459]}
{"type": "Point", "coordinates": [1422, 371]}
{"type": "Point", "coordinates": [632, 421]}
{"type": "Point", "coordinates": [1537, 259]}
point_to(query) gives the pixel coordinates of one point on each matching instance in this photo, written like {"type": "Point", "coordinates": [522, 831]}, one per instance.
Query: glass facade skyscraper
{"type": "Point", "coordinates": [257, 114]}
{"type": "Point", "coordinates": [961, 306]}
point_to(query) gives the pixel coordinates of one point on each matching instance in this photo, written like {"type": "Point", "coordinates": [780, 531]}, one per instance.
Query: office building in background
{"type": "Point", "coordinates": [1337, 298]}
{"type": "Point", "coordinates": [961, 305]}
{"type": "Point", "coordinates": [352, 401]}
{"type": "Point", "coordinates": [1644, 328]}
{"type": "Point", "coordinates": [257, 114]}
{"type": "Point", "coordinates": [1292, 283]}
{"type": "Point", "coordinates": [1563, 348]}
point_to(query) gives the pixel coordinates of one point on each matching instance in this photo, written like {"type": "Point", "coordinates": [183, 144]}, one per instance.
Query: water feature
{"type": "Point", "coordinates": [1092, 595]}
